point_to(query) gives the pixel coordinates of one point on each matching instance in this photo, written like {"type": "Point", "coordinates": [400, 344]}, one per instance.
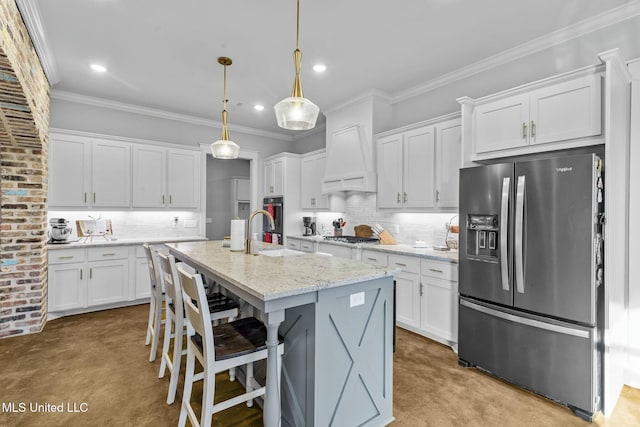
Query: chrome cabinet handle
{"type": "Point", "coordinates": [398, 197]}
{"type": "Point", "coordinates": [405, 197]}
{"type": "Point", "coordinates": [109, 254]}
{"type": "Point", "coordinates": [524, 130]}
{"type": "Point", "coordinates": [435, 270]}
{"type": "Point", "coordinates": [533, 129]}
{"type": "Point", "coordinates": [372, 259]}
{"type": "Point", "coordinates": [80, 274]}
{"type": "Point", "coordinates": [401, 264]}
{"type": "Point", "coordinates": [91, 273]}
{"type": "Point", "coordinates": [94, 197]}
{"type": "Point", "coordinates": [170, 199]}
{"type": "Point", "coordinates": [504, 222]}
{"type": "Point", "coordinates": [437, 195]}
{"type": "Point", "coordinates": [163, 199]}
{"type": "Point", "coordinates": [85, 197]}
{"type": "Point", "coordinates": [421, 289]}
{"type": "Point", "coordinates": [65, 257]}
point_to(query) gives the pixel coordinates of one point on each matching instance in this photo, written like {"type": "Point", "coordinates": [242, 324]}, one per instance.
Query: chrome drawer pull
{"type": "Point", "coordinates": [109, 254]}
{"type": "Point", "coordinates": [436, 270]}
{"type": "Point", "coordinates": [66, 257]}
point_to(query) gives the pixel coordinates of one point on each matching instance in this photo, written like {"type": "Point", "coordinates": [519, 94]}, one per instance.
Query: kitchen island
{"type": "Point", "coordinates": [336, 317]}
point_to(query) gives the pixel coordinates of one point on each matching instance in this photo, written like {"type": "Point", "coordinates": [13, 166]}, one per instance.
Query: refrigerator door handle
{"type": "Point", "coordinates": [519, 234]}
{"type": "Point", "coordinates": [504, 225]}
{"type": "Point", "coordinates": [526, 321]}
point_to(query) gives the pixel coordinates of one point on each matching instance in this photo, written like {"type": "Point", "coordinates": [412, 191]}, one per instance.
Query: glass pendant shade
{"type": "Point", "coordinates": [296, 113]}
{"type": "Point", "coordinates": [225, 149]}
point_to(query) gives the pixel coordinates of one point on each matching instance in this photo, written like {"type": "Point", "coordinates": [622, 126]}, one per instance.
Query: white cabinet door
{"type": "Point", "coordinates": [149, 177]}
{"type": "Point", "coordinates": [448, 152]}
{"type": "Point", "coordinates": [69, 172]}
{"type": "Point", "coordinates": [67, 286]}
{"type": "Point", "coordinates": [566, 110]}
{"type": "Point", "coordinates": [390, 174]}
{"type": "Point", "coordinates": [183, 178]}
{"type": "Point", "coordinates": [440, 308]}
{"type": "Point", "coordinates": [269, 168]}
{"type": "Point", "coordinates": [278, 177]}
{"type": "Point", "coordinates": [502, 124]}
{"type": "Point", "coordinates": [108, 282]}
{"type": "Point", "coordinates": [419, 168]}
{"type": "Point", "coordinates": [408, 299]}
{"type": "Point", "coordinates": [111, 174]}
{"type": "Point", "coordinates": [311, 173]}
{"type": "Point", "coordinates": [143, 281]}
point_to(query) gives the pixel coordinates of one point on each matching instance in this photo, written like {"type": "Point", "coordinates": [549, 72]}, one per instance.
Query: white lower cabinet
{"type": "Point", "coordinates": [108, 275]}
{"type": "Point", "coordinates": [67, 286]}
{"type": "Point", "coordinates": [426, 296]}
{"type": "Point", "coordinates": [81, 279]}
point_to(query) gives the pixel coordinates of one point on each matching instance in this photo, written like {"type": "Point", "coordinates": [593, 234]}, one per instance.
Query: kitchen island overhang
{"type": "Point", "coordinates": [336, 317]}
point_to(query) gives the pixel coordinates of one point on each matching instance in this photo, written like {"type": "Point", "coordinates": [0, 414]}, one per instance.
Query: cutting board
{"type": "Point", "coordinates": [363, 231]}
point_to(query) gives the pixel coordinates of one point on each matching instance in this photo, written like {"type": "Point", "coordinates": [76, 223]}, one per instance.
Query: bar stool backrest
{"type": "Point", "coordinates": [170, 277]}
{"type": "Point", "coordinates": [197, 308]}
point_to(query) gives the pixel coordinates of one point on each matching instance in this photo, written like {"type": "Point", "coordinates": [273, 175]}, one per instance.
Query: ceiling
{"type": "Point", "coordinates": [163, 54]}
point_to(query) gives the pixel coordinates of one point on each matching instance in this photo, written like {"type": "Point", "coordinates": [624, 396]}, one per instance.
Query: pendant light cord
{"type": "Point", "coordinates": [297, 24]}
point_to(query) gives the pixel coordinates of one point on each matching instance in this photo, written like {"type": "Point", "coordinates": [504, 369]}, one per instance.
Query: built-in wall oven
{"type": "Point", "coordinates": [275, 206]}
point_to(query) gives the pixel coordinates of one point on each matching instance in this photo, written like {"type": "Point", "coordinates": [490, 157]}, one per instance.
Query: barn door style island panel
{"type": "Point", "coordinates": [336, 317]}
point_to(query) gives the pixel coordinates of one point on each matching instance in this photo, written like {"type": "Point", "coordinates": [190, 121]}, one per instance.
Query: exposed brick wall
{"type": "Point", "coordinates": [24, 127]}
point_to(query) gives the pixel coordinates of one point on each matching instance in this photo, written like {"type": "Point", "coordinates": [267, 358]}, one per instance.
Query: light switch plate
{"type": "Point", "coordinates": [356, 299]}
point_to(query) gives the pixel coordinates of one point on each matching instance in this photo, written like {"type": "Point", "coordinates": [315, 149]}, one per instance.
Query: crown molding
{"type": "Point", "coordinates": [162, 114]}
{"type": "Point", "coordinates": [547, 41]}
{"type": "Point", "coordinates": [31, 17]}
{"type": "Point", "coordinates": [94, 135]}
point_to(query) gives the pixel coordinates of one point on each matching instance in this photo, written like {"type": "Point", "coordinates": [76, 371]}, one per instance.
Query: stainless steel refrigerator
{"type": "Point", "coordinates": [530, 275]}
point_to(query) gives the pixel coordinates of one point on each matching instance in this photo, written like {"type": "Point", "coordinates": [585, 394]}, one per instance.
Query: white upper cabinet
{"type": "Point", "coordinates": [559, 111]}
{"type": "Point", "coordinates": [184, 178]}
{"type": "Point", "coordinates": [69, 171]}
{"type": "Point", "coordinates": [448, 161]}
{"type": "Point", "coordinates": [165, 177]}
{"type": "Point", "coordinates": [274, 177]}
{"type": "Point", "coordinates": [149, 176]}
{"type": "Point", "coordinates": [311, 171]}
{"type": "Point", "coordinates": [111, 174]}
{"type": "Point", "coordinates": [418, 166]}
{"type": "Point", "coordinates": [103, 173]}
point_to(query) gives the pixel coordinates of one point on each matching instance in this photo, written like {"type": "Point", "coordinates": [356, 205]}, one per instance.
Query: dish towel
{"type": "Point", "coordinates": [267, 237]}
{"type": "Point", "coordinates": [271, 210]}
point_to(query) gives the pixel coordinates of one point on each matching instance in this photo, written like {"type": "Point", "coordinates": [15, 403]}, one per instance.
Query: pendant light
{"type": "Point", "coordinates": [296, 112]}
{"type": "Point", "coordinates": [223, 148]}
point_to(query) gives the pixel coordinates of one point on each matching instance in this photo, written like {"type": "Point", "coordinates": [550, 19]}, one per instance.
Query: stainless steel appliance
{"type": "Point", "coordinates": [531, 269]}
{"type": "Point", "coordinates": [60, 231]}
{"type": "Point", "coordinates": [275, 206]}
{"type": "Point", "coordinates": [309, 224]}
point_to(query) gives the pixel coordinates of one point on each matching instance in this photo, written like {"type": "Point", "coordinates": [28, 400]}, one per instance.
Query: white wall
{"type": "Point", "coordinates": [219, 174]}
{"type": "Point", "coordinates": [310, 141]}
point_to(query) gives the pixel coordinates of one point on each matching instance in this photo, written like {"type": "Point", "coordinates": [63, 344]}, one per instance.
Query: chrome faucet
{"type": "Point", "coordinates": [254, 213]}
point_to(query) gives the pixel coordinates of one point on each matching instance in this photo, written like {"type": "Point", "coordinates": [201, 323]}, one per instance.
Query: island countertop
{"type": "Point", "coordinates": [268, 278]}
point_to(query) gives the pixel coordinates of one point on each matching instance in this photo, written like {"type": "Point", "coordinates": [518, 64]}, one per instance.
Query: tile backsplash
{"type": "Point", "coordinates": [406, 228]}
{"type": "Point", "coordinates": [139, 224]}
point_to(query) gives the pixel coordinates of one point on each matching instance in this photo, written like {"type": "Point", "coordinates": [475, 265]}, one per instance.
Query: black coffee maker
{"type": "Point", "coordinates": [309, 223]}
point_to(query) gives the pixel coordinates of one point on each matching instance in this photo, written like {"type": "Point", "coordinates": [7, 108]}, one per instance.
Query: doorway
{"type": "Point", "coordinates": [224, 201]}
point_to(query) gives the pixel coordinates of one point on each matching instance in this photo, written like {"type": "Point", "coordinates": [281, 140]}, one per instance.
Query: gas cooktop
{"type": "Point", "coordinates": [351, 239]}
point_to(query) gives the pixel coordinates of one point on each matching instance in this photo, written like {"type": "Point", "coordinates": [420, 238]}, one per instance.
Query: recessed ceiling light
{"type": "Point", "coordinates": [99, 68]}
{"type": "Point", "coordinates": [319, 68]}
{"type": "Point", "coordinates": [258, 107]}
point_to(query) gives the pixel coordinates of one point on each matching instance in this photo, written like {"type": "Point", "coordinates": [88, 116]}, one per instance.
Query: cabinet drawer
{"type": "Point", "coordinates": [103, 254]}
{"type": "Point", "coordinates": [440, 270]}
{"type": "Point", "coordinates": [374, 257]}
{"type": "Point", "coordinates": [406, 264]}
{"type": "Point", "coordinates": [307, 246]}
{"type": "Point", "coordinates": [63, 256]}
{"type": "Point", "coordinates": [293, 244]}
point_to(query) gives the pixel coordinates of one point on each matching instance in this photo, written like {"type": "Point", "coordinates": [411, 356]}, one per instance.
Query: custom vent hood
{"type": "Point", "coordinates": [350, 130]}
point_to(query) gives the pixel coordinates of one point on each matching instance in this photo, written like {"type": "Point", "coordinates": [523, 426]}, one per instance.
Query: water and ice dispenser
{"type": "Point", "coordinates": [482, 236]}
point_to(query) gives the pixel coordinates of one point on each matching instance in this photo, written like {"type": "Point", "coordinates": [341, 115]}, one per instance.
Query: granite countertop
{"type": "Point", "coordinates": [399, 249]}
{"type": "Point", "coordinates": [100, 241]}
{"type": "Point", "coordinates": [269, 278]}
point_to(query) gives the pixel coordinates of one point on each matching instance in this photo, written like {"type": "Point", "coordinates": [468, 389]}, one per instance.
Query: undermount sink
{"type": "Point", "coordinates": [280, 252]}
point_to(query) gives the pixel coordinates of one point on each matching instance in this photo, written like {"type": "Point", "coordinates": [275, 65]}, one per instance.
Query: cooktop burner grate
{"type": "Point", "coordinates": [351, 239]}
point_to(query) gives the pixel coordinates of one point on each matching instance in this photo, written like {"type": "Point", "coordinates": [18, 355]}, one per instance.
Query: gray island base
{"type": "Point", "coordinates": [336, 316]}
